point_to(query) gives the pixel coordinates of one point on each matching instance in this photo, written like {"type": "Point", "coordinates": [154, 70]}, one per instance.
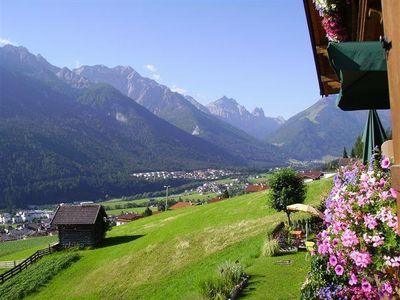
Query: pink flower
{"type": "Point", "coordinates": [323, 248]}
{"type": "Point", "coordinates": [333, 260]}
{"type": "Point", "coordinates": [361, 259]}
{"type": "Point", "coordinates": [349, 238]}
{"type": "Point", "coordinates": [387, 288]}
{"type": "Point", "coordinates": [393, 192]}
{"type": "Point", "coordinates": [370, 221]}
{"type": "Point", "coordinates": [377, 240]}
{"type": "Point", "coordinates": [339, 270]}
{"type": "Point", "coordinates": [366, 286]}
{"type": "Point", "coordinates": [353, 279]}
{"type": "Point", "coordinates": [385, 163]}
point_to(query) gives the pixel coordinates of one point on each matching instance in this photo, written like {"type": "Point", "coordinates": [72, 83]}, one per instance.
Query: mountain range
{"type": "Point", "coordinates": [65, 138]}
{"type": "Point", "coordinates": [322, 131]}
{"type": "Point", "coordinates": [183, 112]}
{"type": "Point", "coordinates": [79, 134]}
{"type": "Point", "coordinates": [254, 123]}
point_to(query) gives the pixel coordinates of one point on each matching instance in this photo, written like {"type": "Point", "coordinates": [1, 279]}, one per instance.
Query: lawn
{"type": "Point", "coordinates": [166, 256]}
{"type": "Point", "coordinates": [262, 178]}
{"type": "Point", "coordinates": [116, 212]}
{"type": "Point", "coordinates": [22, 249]}
{"type": "Point", "coordinates": [111, 209]}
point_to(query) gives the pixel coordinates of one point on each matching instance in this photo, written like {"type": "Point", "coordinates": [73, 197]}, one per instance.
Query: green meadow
{"type": "Point", "coordinates": [21, 249]}
{"type": "Point", "coordinates": [167, 256]}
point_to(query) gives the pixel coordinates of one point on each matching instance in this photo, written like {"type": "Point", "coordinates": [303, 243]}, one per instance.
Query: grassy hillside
{"type": "Point", "coordinates": [24, 248]}
{"type": "Point", "coordinates": [166, 256]}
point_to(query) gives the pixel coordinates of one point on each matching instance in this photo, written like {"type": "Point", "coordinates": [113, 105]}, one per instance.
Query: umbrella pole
{"type": "Point", "coordinates": [306, 230]}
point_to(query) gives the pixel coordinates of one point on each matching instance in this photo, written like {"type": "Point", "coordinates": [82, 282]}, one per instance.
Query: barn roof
{"type": "Point", "coordinates": [256, 188]}
{"type": "Point", "coordinates": [77, 214]}
{"type": "Point", "coordinates": [181, 205]}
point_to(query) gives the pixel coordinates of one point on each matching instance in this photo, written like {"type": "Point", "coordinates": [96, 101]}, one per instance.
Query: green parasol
{"type": "Point", "coordinates": [374, 135]}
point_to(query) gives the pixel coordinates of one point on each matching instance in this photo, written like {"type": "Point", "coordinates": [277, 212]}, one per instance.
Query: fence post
{"type": "Point", "coordinates": [14, 264]}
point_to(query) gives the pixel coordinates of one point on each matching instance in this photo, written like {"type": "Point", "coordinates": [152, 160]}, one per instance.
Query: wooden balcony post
{"type": "Point", "coordinates": [391, 25]}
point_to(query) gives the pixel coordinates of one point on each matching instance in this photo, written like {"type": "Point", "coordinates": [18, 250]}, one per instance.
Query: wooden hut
{"type": "Point", "coordinates": [80, 225]}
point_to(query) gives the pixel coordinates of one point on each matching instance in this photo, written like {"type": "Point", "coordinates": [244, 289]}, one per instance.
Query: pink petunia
{"type": "Point", "coordinates": [385, 163]}
{"type": "Point", "coordinates": [393, 192]}
{"type": "Point", "coordinates": [333, 260]}
{"type": "Point", "coordinates": [339, 270]}
{"type": "Point", "coordinates": [353, 279]}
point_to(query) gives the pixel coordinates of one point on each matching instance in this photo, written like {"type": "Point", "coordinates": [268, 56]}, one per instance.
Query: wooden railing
{"type": "Point", "coordinates": [25, 263]}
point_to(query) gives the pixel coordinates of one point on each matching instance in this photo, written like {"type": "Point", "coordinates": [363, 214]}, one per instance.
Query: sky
{"type": "Point", "coordinates": [255, 51]}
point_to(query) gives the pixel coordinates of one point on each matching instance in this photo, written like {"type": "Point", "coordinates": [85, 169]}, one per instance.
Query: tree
{"type": "Point", "coordinates": [287, 188]}
{"type": "Point", "coordinates": [161, 206]}
{"type": "Point", "coordinates": [358, 147]}
{"type": "Point", "coordinates": [353, 153]}
{"type": "Point", "coordinates": [345, 155]}
{"type": "Point", "coordinates": [225, 195]}
{"type": "Point", "coordinates": [148, 212]}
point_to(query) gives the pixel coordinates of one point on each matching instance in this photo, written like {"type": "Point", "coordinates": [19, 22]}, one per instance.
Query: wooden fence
{"type": "Point", "coordinates": [25, 263]}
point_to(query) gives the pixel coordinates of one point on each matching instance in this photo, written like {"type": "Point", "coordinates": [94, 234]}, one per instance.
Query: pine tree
{"type": "Point", "coordinates": [353, 153]}
{"type": "Point", "coordinates": [358, 147]}
{"type": "Point", "coordinates": [345, 155]}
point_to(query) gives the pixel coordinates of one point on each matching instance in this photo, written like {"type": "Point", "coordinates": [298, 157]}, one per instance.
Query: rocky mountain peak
{"type": "Point", "coordinates": [22, 57]}
{"type": "Point", "coordinates": [258, 112]}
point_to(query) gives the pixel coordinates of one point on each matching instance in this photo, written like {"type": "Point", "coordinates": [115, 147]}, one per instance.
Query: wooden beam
{"type": "Point", "coordinates": [391, 13]}
{"type": "Point", "coordinates": [329, 77]}
{"type": "Point", "coordinates": [322, 50]}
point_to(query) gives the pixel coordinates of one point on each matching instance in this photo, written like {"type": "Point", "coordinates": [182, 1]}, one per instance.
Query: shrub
{"type": "Point", "coordinates": [215, 289]}
{"type": "Point", "coordinates": [231, 272]}
{"type": "Point", "coordinates": [358, 253]}
{"type": "Point", "coordinates": [148, 212]}
{"type": "Point", "coordinates": [219, 288]}
{"type": "Point", "coordinates": [270, 247]}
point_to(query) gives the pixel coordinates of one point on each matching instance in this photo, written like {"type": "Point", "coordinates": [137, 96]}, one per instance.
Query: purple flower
{"type": "Point", "coordinates": [339, 270]}
{"type": "Point", "coordinates": [385, 163]}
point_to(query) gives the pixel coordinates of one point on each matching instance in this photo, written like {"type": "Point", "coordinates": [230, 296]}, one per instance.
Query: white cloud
{"type": "Point", "coordinates": [156, 76]}
{"type": "Point", "coordinates": [6, 42]}
{"type": "Point", "coordinates": [179, 90]}
{"type": "Point", "coordinates": [78, 64]}
{"type": "Point", "coordinates": [151, 68]}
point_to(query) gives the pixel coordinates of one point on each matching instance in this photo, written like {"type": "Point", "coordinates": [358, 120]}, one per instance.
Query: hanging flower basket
{"type": "Point", "coordinates": [333, 18]}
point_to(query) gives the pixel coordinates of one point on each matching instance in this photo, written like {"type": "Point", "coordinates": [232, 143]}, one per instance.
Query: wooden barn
{"type": "Point", "coordinates": [80, 225]}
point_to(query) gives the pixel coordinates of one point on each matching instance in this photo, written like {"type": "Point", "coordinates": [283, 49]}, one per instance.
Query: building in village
{"type": "Point", "coordinates": [126, 218]}
{"type": "Point", "coordinates": [252, 188]}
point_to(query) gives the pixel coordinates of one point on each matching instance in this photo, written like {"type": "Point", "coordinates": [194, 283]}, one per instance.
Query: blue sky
{"type": "Point", "coordinates": [256, 51]}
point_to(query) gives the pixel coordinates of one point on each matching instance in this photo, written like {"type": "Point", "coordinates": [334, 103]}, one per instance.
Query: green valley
{"type": "Point", "coordinates": [167, 256]}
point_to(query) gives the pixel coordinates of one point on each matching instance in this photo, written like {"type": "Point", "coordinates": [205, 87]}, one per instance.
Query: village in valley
{"type": "Point", "coordinates": [218, 185]}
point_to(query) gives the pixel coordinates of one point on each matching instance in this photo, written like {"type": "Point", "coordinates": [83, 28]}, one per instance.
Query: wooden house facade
{"type": "Point", "coordinates": [80, 225]}
{"type": "Point", "coordinates": [366, 20]}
